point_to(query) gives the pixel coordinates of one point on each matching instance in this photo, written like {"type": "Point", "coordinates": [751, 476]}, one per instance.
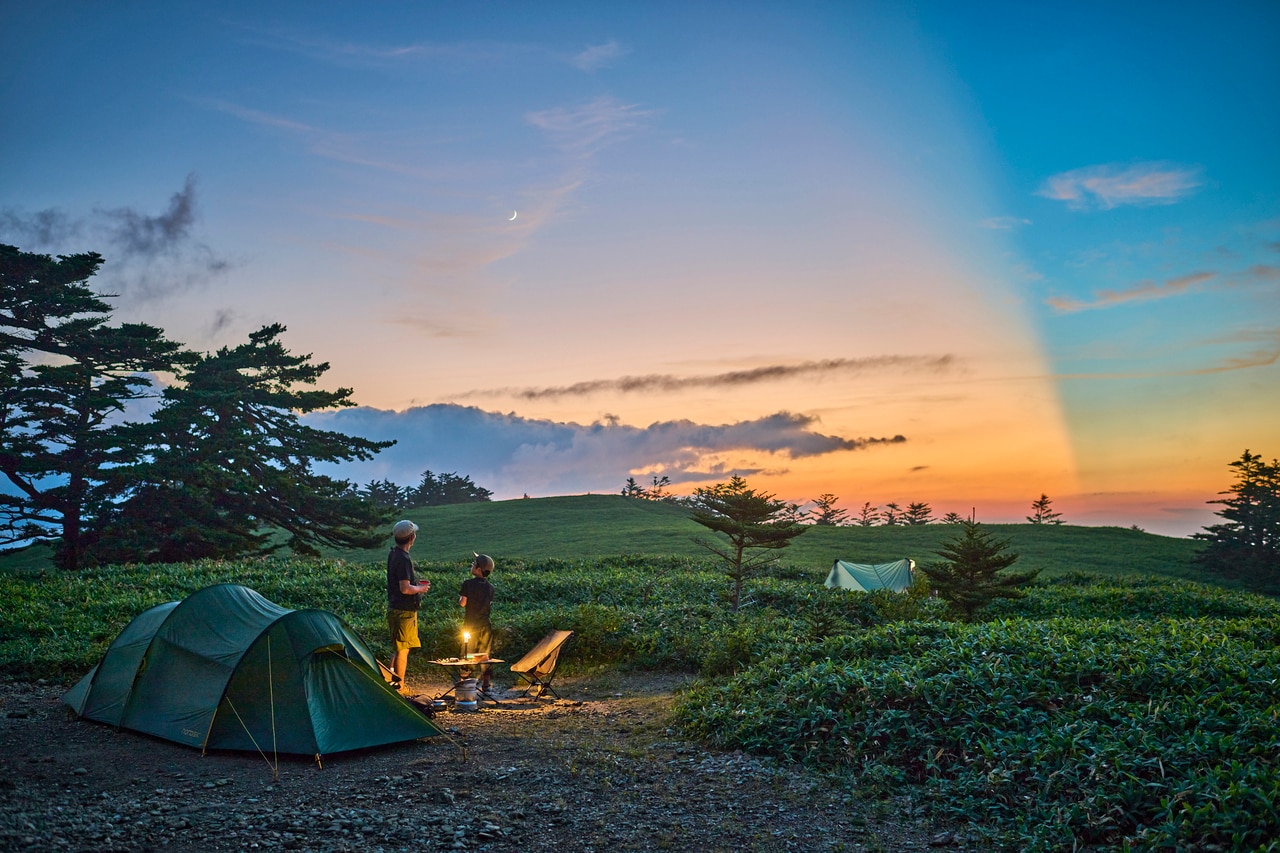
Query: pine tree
{"type": "Point", "coordinates": [1247, 544]}
{"type": "Point", "coordinates": [67, 378]}
{"type": "Point", "coordinates": [230, 465]}
{"type": "Point", "coordinates": [825, 511]}
{"type": "Point", "coordinates": [868, 515]}
{"type": "Point", "coordinates": [973, 572]}
{"type": "Point", "coordinates": [918, 513]}
{"type": "Point", "coordinates": [754, 524]}
{"type": "Point", "coordinates": [1042, 513]}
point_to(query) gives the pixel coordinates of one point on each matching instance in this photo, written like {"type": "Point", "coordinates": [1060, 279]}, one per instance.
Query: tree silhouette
{"type": "Point", "coordinates": [1041, 512]}
{"type": "Point", "coordinates": [918, 513]}
{"type": "Point", "coordinates": [67, 377]}
{"type": "Point", "coordinates": [1246, 545]}
{"type": "Point", "coordinates": [443, 489]}
{"type": "Point", "coordinates": [230, 465]}
{"type": "Point", "coordinates": [825, 511]}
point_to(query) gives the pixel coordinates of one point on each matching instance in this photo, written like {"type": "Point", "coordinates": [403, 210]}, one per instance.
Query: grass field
{"type": "Point", "coordinates": [591, 526]}
{"type": "Point", "coordinates": [1137, 704]}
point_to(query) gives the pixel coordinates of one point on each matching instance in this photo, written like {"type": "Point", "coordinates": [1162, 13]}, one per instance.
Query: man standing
{"type": "Point", "coordinates": [476, 598]}
{"type": "Point", "coordinates": [404, 597]}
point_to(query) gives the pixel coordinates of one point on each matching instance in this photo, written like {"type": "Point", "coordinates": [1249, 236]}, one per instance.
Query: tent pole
{"type": "Point", "coordinates": [271, 696]}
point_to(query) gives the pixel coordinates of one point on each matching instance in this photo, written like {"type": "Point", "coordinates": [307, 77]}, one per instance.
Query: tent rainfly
{"type": "Point", "coordinates": [227, 669]}
{"type": "Point", "coordinates": [864, 577]}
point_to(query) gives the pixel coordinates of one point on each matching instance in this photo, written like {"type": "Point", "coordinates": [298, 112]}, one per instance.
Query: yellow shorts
{"type": "Point", "coordinates": [403, 625]}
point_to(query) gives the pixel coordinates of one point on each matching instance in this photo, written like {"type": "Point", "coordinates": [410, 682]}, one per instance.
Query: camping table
{"type": "Point", "coordinates": [455, 666]}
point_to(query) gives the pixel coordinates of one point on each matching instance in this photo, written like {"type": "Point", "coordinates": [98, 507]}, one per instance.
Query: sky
{"type": "Point", "coordinates": [961, 254]}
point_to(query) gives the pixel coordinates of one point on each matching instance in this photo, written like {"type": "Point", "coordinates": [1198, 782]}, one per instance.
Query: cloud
{"type": "Point", "coordinates": [513, 455]}
{"type": "Point", "coordinates": [1003, 223]}
{"type": "Point", "coordinates": [147, 256]}
{"type": "Point", "coordinates": [597, 56]}
{"type": "Point", "coordinates": [1264, 352]}
{"type": "Point", "coordinates": [1144, 291]}
{"type": "Point", "coordinates": [1263, 272]}
{"type": "Point", "coordinates": [654, 383]}
{"type": "Point", "coordinates": [261, 118]}
{"type": "Point", "coordinates": [1112, 185]}
{"type": "Point", "coordinates": [584, 129]}
{"type": "Point", "coordinates": [150, 236]}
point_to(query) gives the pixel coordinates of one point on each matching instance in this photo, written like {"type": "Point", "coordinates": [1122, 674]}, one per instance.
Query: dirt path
{"type": "Point", "coordinates": [598, 770]}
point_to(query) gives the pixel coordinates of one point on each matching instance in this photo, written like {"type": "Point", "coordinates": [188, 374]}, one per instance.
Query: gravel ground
{"type": "Point", "coordinates": [600, 769]}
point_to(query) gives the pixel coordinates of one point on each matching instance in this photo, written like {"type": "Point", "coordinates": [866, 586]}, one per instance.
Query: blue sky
{"type": "Point", "coordinates": [1039, 244]}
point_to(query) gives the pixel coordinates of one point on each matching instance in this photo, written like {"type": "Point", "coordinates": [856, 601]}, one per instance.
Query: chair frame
{"type": "Point", "coordinates": [538, 666]}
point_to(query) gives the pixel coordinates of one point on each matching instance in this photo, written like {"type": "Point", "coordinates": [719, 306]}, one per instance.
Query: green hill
{"type": "Point", "coordinates": [583, 526]}
{"type": "Point", "coordinates": [587, 526]}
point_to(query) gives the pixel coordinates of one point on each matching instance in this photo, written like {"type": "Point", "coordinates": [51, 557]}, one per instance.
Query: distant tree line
{"type": "Point", "coordinates": [659, 489]}
{"type": "Point", "coordinates": [825, 513]}
{"type": "Point", "coordinates": [432, 490]}
{"type": "Point", "coordinates": [223, 468]}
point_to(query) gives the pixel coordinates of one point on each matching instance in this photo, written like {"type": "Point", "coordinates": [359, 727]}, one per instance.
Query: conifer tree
{"type": "Point", "coordinates": [1041, 512]}
{"type": "Point", "coordinates": [67, 378]}
{"type": "Point", "coordinates": [825, 511]}
{"type": "Point", "coordinates": [754, 523]}
{"type": "Point", "coordinates": [918, 513]}
{"type": "Point", "coordinates": [973, 572]}
{"type": "Point", "coordinates": [229, 471]}
{"type": "Point", "coordinates": [1246, 545]}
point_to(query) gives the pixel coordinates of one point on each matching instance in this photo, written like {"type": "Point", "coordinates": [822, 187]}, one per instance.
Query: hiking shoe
{"type": "Point", "coordinates": [397, 685]}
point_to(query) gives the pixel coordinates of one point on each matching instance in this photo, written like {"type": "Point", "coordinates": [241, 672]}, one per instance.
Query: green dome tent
{"type": "Point", "coordinates": [864, 577]}
{"type": "Point", "coordinates": [227, 669]}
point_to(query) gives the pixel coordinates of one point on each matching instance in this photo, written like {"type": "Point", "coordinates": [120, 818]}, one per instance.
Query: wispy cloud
{"type": "Point", "coordinates": [1003, 223]}
{"type": "Point", "coordinates": [1263, 350]}
{"type": "Point", "coordinates": [1112, 185]}
{"type": "Point", "coordinates": [1142, 292]}
{"type": "Point", "coordinates": [1263, 272]}
{"type": "Point", "coordinates": [586, 128]}
{"type": "Point", "coordinates": [598, 55]}
{"type": "Point", "coordinates": [147, 256]}
{"type": "Point", "coordinates": [261, 118]}
{"type": "Point", "coordinates": [513, 455]}
{"type": "Point", "coordinates": [667, 383]}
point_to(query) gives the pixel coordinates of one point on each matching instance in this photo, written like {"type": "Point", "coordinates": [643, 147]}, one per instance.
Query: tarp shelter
{"type": "Point", "coordinates": [865, 577]}
{"type": "Point", "coordinates": [227, 669]}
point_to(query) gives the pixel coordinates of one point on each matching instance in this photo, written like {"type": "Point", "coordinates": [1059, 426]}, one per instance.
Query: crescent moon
{"type": "Point", "coordinates": [514, 214]}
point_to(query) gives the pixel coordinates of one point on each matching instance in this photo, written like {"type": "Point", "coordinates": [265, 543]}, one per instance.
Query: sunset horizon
{"type": "Point", "coordinates": [891, 252]}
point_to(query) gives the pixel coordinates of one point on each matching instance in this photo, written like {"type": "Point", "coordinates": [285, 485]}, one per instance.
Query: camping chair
{"type": "Point", "coordinates": [538, 667]}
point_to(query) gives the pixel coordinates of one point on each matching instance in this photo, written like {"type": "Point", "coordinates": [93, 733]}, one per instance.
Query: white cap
{"type": "Point", "coordinates": [403, 529]}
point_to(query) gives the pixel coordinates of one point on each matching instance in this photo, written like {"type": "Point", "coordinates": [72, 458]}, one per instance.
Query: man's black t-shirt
{"type": "Point", "coordinates": [400, 567]}
{"type": "Point", "coordinates": [479, 594]}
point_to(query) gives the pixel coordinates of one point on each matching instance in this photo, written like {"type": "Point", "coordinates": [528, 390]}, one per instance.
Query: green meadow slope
{"type": "Point", "coordinates": [589, 526]}
{"type": "Point", "coordinates": [586, 526]}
